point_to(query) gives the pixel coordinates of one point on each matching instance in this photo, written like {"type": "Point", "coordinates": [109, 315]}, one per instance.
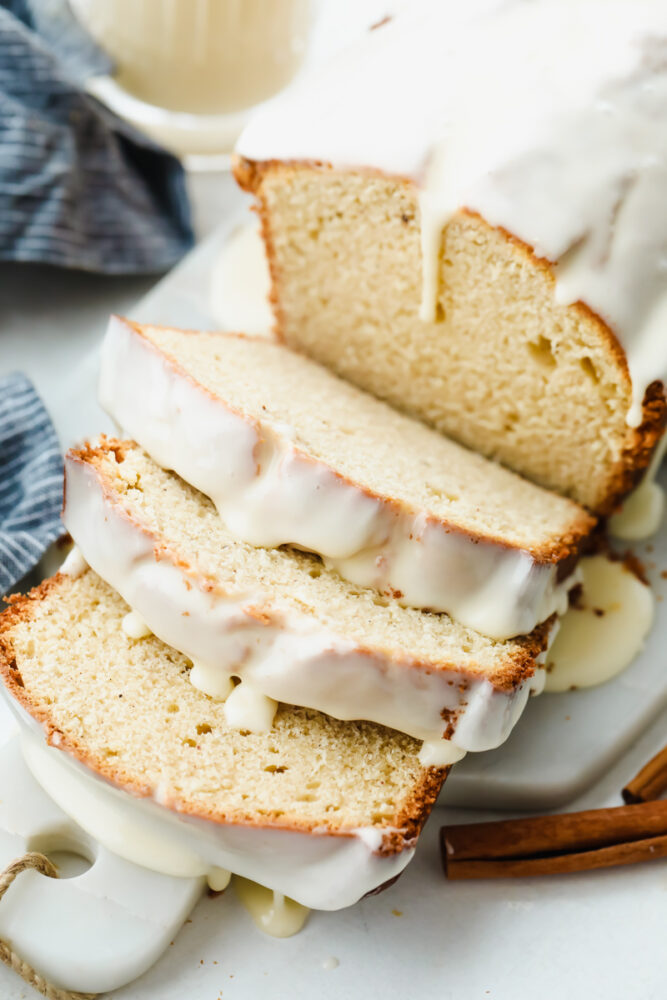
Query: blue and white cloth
{"type": "Point", "coordinates": [31, 480]}
{"type": "Point", "coordinates": [79, 187]}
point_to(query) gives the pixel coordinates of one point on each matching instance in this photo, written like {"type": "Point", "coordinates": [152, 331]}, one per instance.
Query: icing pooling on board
{"type": "Point", "coordinates": [318, 870]}
{"type": "Point", "coordinates": [642, 512]}
{"type": "Point", "coordinates": [560, 140]}
{"type": "Point", "coordinates": [270, 493]}
{"type": "Point", "coordinates": [272, 912]}
{"type": "Point", "coordinates": [603, 633]}
{"type": "Point", "coordinates": [240, 284]}
{"type": "Point", "coordinates": [74, 565]}
{"type": "Point", "coordinates": [291, 657]}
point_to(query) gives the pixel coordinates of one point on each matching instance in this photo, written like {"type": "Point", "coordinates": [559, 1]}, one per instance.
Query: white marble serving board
{"type": "Point", "coordinates": [564, 742]}
{"type": "Point", "coordinates": [104, 921]}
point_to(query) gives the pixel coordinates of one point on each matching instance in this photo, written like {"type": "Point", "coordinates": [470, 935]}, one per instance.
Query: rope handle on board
{"type": "Point", "coordinates": [7, 955]}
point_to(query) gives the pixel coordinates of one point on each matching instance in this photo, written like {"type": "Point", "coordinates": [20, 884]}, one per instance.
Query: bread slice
{"type": "Point", "coordinates": [291, 454]}
{"type": "Point", "coordinates": [316, 808]}
{"type": "Point", "coordinates": [277, 618]}
{"type": "Point", "coordinates": [484, 250]}
{"type": "Point", "coordinates": [503, 368]}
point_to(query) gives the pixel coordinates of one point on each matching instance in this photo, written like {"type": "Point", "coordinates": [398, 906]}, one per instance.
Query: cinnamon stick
{"type": "Point", "coordinates": [548, 845]}
{"type": "Point", "coordinates": [650, 782]}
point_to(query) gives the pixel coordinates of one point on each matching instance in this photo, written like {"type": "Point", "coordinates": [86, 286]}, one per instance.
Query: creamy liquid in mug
{"type": "Point", "coordinates": [205, 57]}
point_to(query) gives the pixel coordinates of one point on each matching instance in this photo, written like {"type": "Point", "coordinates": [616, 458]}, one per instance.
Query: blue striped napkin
{"type": "Point", "coordinates": [79, 187]}
{"type": "Point", "coordinates": [31, 480]}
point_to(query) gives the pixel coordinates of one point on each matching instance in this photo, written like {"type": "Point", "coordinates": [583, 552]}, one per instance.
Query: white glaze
{"type": "Point", "coordinates": [286, 655]}
{"type": "Point", "coordinates": [240, 284]}
{"type": "Point", "coordinates": [269, 493]}
{"type": "Point", "coordinates": [247, 708]}
{"type": "Point", "coordinates": [74, 565]}
{"type": "Point", "coordinates": [272, 912]}
{"type": "Point", "coordinates": [218, 879]}
{"type": "Point", "coordinates": [590, 647]}
{"type": "Point", "coordinates": [134, 626]}
{"type": "Point", "coordinates": [319, 870]}
{"type": "Point", "coordinates": [440, 753]}
{"type": "Point", "coordinates": [642, 511]}
{"type": "Point", "coordinates": [213, 681]}
{"type": "Point", "coordinates": [527, 114]}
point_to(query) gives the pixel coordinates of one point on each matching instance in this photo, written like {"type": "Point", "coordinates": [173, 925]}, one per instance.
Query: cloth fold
{"type": "Point", "coordinates": [31, 480]}
{"type": "Point", "coordinates": [79, 187]}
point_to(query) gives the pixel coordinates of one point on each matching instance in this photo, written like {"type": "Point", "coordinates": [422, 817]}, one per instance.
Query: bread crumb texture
{"type": "Point", "coordinates": [188, 530]}
{"type": "Point", "coordinates": [504, 369]}
{"type": "Point", "coordinates": [128, 709]}
{"type": "Point", "coordinates": [372, 445]}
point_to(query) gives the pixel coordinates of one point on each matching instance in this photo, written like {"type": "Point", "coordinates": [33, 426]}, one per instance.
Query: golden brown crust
{"type": "Point", "coordinates": [520, 660]}
{"type": "Point", "coordinates": [640, 446]}
{"type": "Point", "coordinates": [565, 548]}
{"type": "Point", "coordinates": [640, 442]}
{"type": "Point", "coordinates": [411, 817]}
{"type": "Point", "coordinates": [399, 832]}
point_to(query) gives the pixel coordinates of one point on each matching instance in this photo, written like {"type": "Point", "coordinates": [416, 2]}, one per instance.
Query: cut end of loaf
{"type": "Point", "coordinates": [551, 387]}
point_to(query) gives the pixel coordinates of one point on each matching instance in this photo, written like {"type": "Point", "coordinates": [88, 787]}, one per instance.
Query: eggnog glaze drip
{"type": "Point", "coordinates": [319, 870]}
{"type": "Point", "coordinates": [74, 564]}
{"type": "Point", "coordinates": [545, 117]}
{"type": "Point", "coordinates": [213, 682]}
{"type": "Point", "coordinates": [272, 912]}
{"type": "Point", "coordinates": [604, 631]}
{"type": "Point", "coordinates": [245, 706]}
{"type": "Point", "coordinates": [286, 656]}
{"type": "Point", "coordinates": [642, 512]}
{"type": "Point", "coordinates": [134, 626]}
{"type": "Point", "coordinates": [269, 493]}
{"type": "Point", "coordinates": [240, 284]}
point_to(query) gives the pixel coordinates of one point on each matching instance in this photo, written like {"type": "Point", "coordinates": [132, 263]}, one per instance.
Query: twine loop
{"type": "Point", "coordinates": [40, 863]}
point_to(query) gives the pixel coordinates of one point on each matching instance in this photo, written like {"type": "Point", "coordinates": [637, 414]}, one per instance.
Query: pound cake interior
{"type": "Point", "coordinates": [371, 444]}
{"type": "Point", "coordinates": [541, 387]}
{"type": "Point", "coordinates": [127, 709]}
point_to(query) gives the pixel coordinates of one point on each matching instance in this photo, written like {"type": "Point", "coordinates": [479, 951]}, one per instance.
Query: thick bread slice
{"type": "Point", "coordinates": [280, 620]}
{"type": "Point", "coordinates": [320, 809]}
{"type": "Point", "coordinates": [289, 453]}
{"type": "Point", "coordinates": [484, 251]}
{"type": "Point", "coordinates": [504, 369]}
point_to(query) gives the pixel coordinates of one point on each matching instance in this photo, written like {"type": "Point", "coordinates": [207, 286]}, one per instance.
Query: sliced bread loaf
{"type": "Point", "coordinates": [321, 810]}
{"type": "Point", "coordinates": [486, 253]}
{"type": "Point", "coordinates": [277, 618]}
{"type": "Point", "coordinates": [289, 453]}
